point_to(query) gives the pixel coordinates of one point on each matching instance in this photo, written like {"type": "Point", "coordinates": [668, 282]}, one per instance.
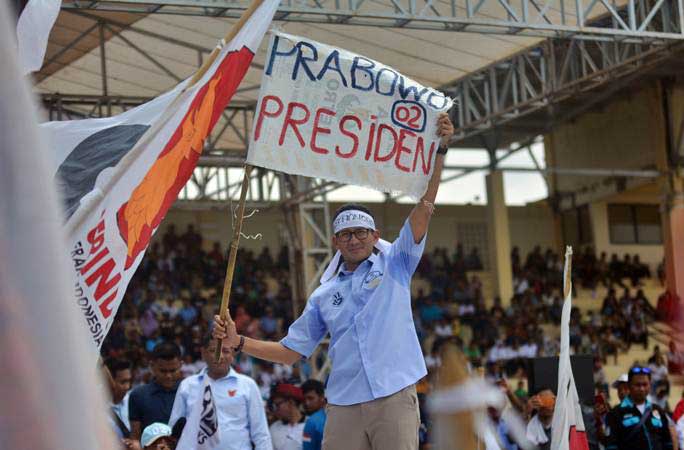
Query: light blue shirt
{"type": "Point", "coordinates": [241, 414]}
{"type": "Point", "coordinates": [374, 348]}
{"type": "Point", "coordinates": [121, 410]}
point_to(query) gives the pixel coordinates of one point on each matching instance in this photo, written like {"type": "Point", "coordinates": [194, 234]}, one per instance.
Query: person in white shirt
{"type": "Point", "coordinates": [528, 350]}
{"type": "Point", "coordinates": [120, 386]}
{"type": "Point", "coordinates": [443, 328]}
{"type": "Point", "coordinates": [496, 352]}
{"type": "Point", "coordinates": [240, 408]}
{"type": "Point", "coordinates": [288, 430]}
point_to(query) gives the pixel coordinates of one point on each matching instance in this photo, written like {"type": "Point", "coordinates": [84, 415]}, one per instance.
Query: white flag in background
{"type": "Point", "coordinates": [33, 31]}
{"type": "Point", "coordinates": [50, 398]}
{"type": "Point", "coordinates": [201, 431]}
{"type": "Point", "coordinates": [567, 427]}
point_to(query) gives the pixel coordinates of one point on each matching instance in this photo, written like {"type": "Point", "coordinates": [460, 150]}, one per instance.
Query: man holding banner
{"type": "Point", "coordinates": [364, 302]}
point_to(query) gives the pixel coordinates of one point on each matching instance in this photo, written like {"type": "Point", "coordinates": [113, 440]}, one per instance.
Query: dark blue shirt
{"type": "Point", "coordinates": [313, 430]}
{"type": "Point", "coordinates": [150, 403]}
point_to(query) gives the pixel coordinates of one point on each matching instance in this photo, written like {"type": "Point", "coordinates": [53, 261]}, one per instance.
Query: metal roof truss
{"type": "Point", "coordinates": [637, 20]}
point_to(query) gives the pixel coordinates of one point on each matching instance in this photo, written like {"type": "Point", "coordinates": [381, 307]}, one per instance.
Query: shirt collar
{"type": "Point", "coordinates": [629, 403]}
{"type": "Point", "coordinates": [372, 259]}
{"type": "Point", "coordinates": [156, 387]}
{"type": "Point", "coordinates": [231, 374]}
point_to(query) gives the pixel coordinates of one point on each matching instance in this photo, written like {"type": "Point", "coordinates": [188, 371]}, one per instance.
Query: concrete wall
{"type": "Point", "coordinates": [624, 134]}
{"type": "Point", "coordinates": [216, 226]}
{"type": "Point", "coordinates": [628, 133]}
{"type": "Point", "coordinates": [529, 225]}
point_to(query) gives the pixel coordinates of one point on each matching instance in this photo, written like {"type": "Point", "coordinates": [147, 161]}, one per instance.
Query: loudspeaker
{"type": "Point", "coordinates": [542, 373]}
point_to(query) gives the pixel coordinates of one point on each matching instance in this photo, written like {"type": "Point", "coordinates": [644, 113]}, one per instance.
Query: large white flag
{"type": "Point", "coordinates": [201, 431]}
{"type": "Point", "coordinates": [50, 398]}
{"type": "Point", "coordinates": [120, 175]}
{"type": "Point", "coordinates": [33, 30]}
{"type": "Point", "coordinates": [326, 112]}
{"type": "Point", "coordinates": [567, 427]}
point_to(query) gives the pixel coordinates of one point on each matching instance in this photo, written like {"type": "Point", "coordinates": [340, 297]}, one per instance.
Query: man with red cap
{"type": "Point", "coordinates": [287, 431]}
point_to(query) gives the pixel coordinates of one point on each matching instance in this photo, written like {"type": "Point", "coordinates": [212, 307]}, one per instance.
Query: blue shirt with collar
{"type": "Point", "coordinates": [374, 348]}
{"type": "Point", "coordinates": [313, 431]}
{"type": "Point", "coordinates": [239, 407]}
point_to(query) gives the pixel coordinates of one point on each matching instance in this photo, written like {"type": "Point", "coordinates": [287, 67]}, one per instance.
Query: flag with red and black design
{"type": "Point", "coordinates": [119, 175]}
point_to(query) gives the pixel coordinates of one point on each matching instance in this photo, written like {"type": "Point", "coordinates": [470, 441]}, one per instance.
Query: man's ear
{"type": "Point", "coordinates": [376, 235]}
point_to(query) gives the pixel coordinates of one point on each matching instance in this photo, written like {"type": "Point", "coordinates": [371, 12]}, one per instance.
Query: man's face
{"type": "Point", "coordinates": [547, 402]}
{"type": "Point", "coordinates": [353, 245]}
{"type": "Point", "coordinates": [166, 372]}
{"type": "Point", "coordinates": [223, 365]}
{"type": "Point", "coordinates": [639, 387]}
{"type": "Point", "coordinates": [622, 390]}
{"type": "Point", "coordinates": [313, 402]}
{"type": "Point", "coordinates": [282, 408]}
{"type": "Point", "coordinates": [122, 383]}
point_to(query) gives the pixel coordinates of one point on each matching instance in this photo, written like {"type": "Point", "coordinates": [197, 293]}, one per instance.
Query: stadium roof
{"type": "Point", "coordinates": [151, 45]}
{"type": "Point", "coordinates": [514, 69]}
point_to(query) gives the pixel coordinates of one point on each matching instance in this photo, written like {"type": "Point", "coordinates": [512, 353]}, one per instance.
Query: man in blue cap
{"type": "Point", "coordinates": [157, 436]}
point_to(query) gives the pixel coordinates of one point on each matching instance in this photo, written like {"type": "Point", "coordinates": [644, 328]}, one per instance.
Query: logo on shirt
{"type": "Point", "coordinates": [232, 392]}
{"type": "Point", "coordinates": [373, 279]}
{"type": "Point", "coordinates": [337, 299]}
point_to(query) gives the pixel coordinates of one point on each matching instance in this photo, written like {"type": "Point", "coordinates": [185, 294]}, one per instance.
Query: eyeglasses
{"type": "Point", "coordinates": [638, 370]}
{"type": "Point", "coordinates": [346, 235]}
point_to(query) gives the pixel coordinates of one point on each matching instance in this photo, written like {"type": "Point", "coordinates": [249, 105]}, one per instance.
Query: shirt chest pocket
{"type": "Point", "coordinates": [231, 402]}
{"type": "Point", "coordinates": [372, 280]}
{"type": "Point", "coordinates": [630, 421]}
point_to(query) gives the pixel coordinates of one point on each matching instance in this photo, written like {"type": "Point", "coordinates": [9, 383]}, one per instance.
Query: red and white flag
{"type": "Point", "coordinates": [120, 175]}
{"type": "Point", "coordinates": [567, 427]}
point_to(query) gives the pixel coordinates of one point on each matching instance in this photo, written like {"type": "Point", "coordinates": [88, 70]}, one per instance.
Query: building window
{"type": "Point", "coordinates": [577, 226]}
{"type": "Point", "coordinates": [473, 235]}
{"type": "Point", "coordinates": [634, 224]}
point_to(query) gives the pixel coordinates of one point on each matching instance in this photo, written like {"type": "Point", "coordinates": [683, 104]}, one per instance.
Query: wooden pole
{"type": "Point", "coordinates": [230, 267]}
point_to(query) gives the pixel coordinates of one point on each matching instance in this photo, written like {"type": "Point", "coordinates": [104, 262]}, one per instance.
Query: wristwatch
{"type": "Point", "coordinates": [442, 149]}
{"type": "Point", "coordinates": [238, 349]}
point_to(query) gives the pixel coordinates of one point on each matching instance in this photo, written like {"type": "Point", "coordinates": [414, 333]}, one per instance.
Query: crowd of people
{"type": "Point", "coordinates": [500, 338]}
{"type": "Point", "coordinates": [171, 300]}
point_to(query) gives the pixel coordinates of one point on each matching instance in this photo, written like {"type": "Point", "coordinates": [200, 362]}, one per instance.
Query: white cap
{"type": "Point", "coordinates": [621, 379]}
